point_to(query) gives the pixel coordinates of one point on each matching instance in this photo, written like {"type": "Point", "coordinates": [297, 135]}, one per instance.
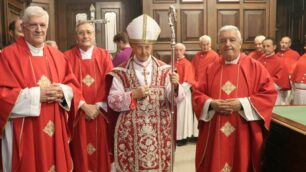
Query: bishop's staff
{"type": "Point", "coordinates": [172, 19]}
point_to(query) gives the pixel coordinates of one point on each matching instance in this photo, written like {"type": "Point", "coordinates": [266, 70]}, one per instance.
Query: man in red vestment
{"type": "Point", "coordinates": [37, 88]}
{"type": "Point", "coordinates": [277, 69]}
{"type": "Point", "coordinates": [140, 91]}
{"type": "Point", "coordinates": [298, 79]}
{"type": "Point", "coordinates": [203, 57]}
{"type": "Point", "coordinates": [259, 51]}
{"type": "Point", "coordinates": [233, 102]}
{"type": "Point", "coordinates": [89, 145]}
{"type": "Point", "coordinates": [186, 122]}
{"type": "Point", "coordinates": [289, 56]}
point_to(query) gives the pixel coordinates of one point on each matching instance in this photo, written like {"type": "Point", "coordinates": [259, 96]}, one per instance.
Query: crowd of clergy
{"type": "Point", "coordinates": [55, 107]}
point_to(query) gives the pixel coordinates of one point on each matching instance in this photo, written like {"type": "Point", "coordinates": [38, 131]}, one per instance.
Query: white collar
{"type": "Point", "coordinates": [86, 54]}
{"type": "Point", "coordinates": [36, 51]}
{"type": "Point", "coordinates": [235, 61]}
{"type": "Point", "coordinates": [143, 64]}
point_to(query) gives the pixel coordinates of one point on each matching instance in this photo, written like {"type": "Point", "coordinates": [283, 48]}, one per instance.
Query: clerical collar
{"type": "Point", "coordinates": [235, 61]}
{"type": "Point", "coordinates": [36, 51]}
{"type": "Point", "coordinates": [143, 64]}
{"type": "Point", "coordinates": [270, 55]}
{"type": "Point", "coordinates": [86, 54]}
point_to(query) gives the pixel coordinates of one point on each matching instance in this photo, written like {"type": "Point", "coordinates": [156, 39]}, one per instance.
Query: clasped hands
{"type": "Point", "coordinates": [226, 106]}
{"type": "Point", "coordinates": [91, 111]}
{"type": "Point", "coordinates": [144, 91]}
{"type": "Point", "coordinates": [51, 93]}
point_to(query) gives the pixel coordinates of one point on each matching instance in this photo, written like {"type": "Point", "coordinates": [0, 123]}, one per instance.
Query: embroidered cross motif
{"type": "Point", "coordinates": [227, 129]}
{"type": "Point", "coordinates": [226, 168]}
{"type": "Point", "coordinates": [90, 149]}
{"type": "Point", "coordinates": [44, 81]}
{"type": "Point", "coordinates": [88, 80]}
{"type": "Point", "coordinates": [228, 87]}
{"type": "Point", "coordinates": [52, 169]}
{"type": "Point", "coordinates": [49, 128]}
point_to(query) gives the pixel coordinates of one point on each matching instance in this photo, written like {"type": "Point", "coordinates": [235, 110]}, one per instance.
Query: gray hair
{"type": "Point", "coordinates": [260, 38]}
{"type": "Point", "coordinates": [82, 22]}
{"type": "Point", "coordinates": [34, 11]}
{"type": "Point", "coordinates": [230, 28]}
{"type": "Point", "coordinates": [205, 38]}
{"type": "Point", "coordinates": [181, 45]}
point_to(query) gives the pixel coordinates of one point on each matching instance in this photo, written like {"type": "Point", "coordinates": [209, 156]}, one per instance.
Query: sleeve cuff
{"type": "Point", "coordinates": [68, 95]}
{"type": "Point", "coordinates": [206, 114]}
{"type": "Point", "coordinates": [248, 113]}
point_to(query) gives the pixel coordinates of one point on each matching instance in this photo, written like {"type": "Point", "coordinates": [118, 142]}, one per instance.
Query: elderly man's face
{"type": "Point", "coordinates": [142, 51]}
{"type": "Point", "coordinates": [35, 30]}
{"type": "Point", "coordinates": [285, 44]}
{"type": "Point", "coordinates": [258, 46]}
{"type": "Point", "coordinates": [205, 46]}
{"type": "Point", "coordinates": [85, 36]}
{"type": "Point", "coordinates": [179, 51]}
{"type": "Point", "coordinates": [229, 45]}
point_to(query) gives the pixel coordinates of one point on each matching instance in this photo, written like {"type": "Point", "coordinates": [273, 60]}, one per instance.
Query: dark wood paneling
{"type": "Point", "coordinates": [166, 55]}
{"type": "Point", "coordinates": [254, 24]}
{"type": "Point", "coordinates": [192, 26]}
{"type": "Point", "coordinates": [161, 17]}
{"type": "Point", "coordinates": [47, 5]}
{"type": "Point", "coordinates": [228, 17]}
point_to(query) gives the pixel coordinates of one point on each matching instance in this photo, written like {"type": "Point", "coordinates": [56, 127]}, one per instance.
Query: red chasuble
{"type": "Point", "coordinates": [229, 142]}
{"type": "Point", "coordinates": [255, 55]}
{"type": "Point", "coordinates": [290, 57]}
{"type": "Point", "coordinates": [278, 71]}
{"type": "Point", "coordinates": [89, 146]}
{"type": "Point", "coordinates": [201, 60]}
{"type": "Point", "coordinates": [143, 135]}
{"type": "Point", "coordinates": [39, 143]}
{"type": "Point", "coordinates": [185, 70]}
{"type": "Point", "coordinates": [299, 73]}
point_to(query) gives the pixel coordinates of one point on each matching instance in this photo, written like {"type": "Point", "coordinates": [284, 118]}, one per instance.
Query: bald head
{"type": "Point", "coordinates": [285, 43]}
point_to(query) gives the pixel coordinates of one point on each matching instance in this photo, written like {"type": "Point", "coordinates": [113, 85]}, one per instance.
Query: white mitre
{"type": "Point", "coordinates": [143, 29]}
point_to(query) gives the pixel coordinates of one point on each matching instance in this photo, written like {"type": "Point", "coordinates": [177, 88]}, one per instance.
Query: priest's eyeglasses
{"type": "Point", "coordinates": [34, 26]}
{"type": "Point", "coordinates": [82, 33]}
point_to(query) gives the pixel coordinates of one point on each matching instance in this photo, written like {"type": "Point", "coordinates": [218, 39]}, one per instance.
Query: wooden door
{"type": "Point", "coordinates": [198, 17]}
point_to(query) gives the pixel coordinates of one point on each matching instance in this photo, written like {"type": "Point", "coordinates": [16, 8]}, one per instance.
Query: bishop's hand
{"type": "Point", "coordinates": [141, 92]}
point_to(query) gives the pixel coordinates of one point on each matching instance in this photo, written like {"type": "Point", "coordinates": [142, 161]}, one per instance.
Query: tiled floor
{"type": "Point", "coordinates": [185, 158]}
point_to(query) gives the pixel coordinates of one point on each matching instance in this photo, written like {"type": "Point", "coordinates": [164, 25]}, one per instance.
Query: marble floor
{"type": "Point", "coordinates": [185, 158]}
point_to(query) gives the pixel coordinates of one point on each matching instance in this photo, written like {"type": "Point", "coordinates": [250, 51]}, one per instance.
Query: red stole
{"type": "Point", "coordinates": [299, 73]}
{"type": "Point", "coordinates": [40, 143]}
{"type": "Point", "coordinates": [89, 147]}
{"type": "Point", "coordinates": [289, 57]}
{"type": "Point", "coordinates": [229, 141]}
{"type": "Point", "coordinates": [277, 70]}
{"type": "Point", "coordinates": [185, 70]}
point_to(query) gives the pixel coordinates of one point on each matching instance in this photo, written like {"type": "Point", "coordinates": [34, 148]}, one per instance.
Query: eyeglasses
{"type": "Point", "coordinates": [34, 26]}
{"type": "Point", "coordinates": [82, 33]}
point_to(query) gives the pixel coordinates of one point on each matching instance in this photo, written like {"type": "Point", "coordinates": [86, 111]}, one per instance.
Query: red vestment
{"type": "Point", "coordinates": [290, 57]}
{"type": "Point", "coordinates": [89, 146]}
{"type": "Point", "coordinates": [229, 142]}
{"type": "Point", "coordinates": [299, 73]}
{"type": "Point", "coordinates": [185, 70]}
{"type": "Point", "coordinates": [39, 143]}
{"type": "Point", "coordinates": [278, 71]}
{"type": "Point", "coordinates": [255, 55]}
{"type": "Point", "coordinates": [201, 60]}
{"type": "Point", "coordinates": [143, 135]}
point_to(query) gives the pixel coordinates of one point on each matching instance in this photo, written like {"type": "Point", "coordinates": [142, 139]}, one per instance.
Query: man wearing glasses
{"type": "Point", "coordinates": [90, 64]}
{"type": "Point", "coordinates": [37, 88]}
